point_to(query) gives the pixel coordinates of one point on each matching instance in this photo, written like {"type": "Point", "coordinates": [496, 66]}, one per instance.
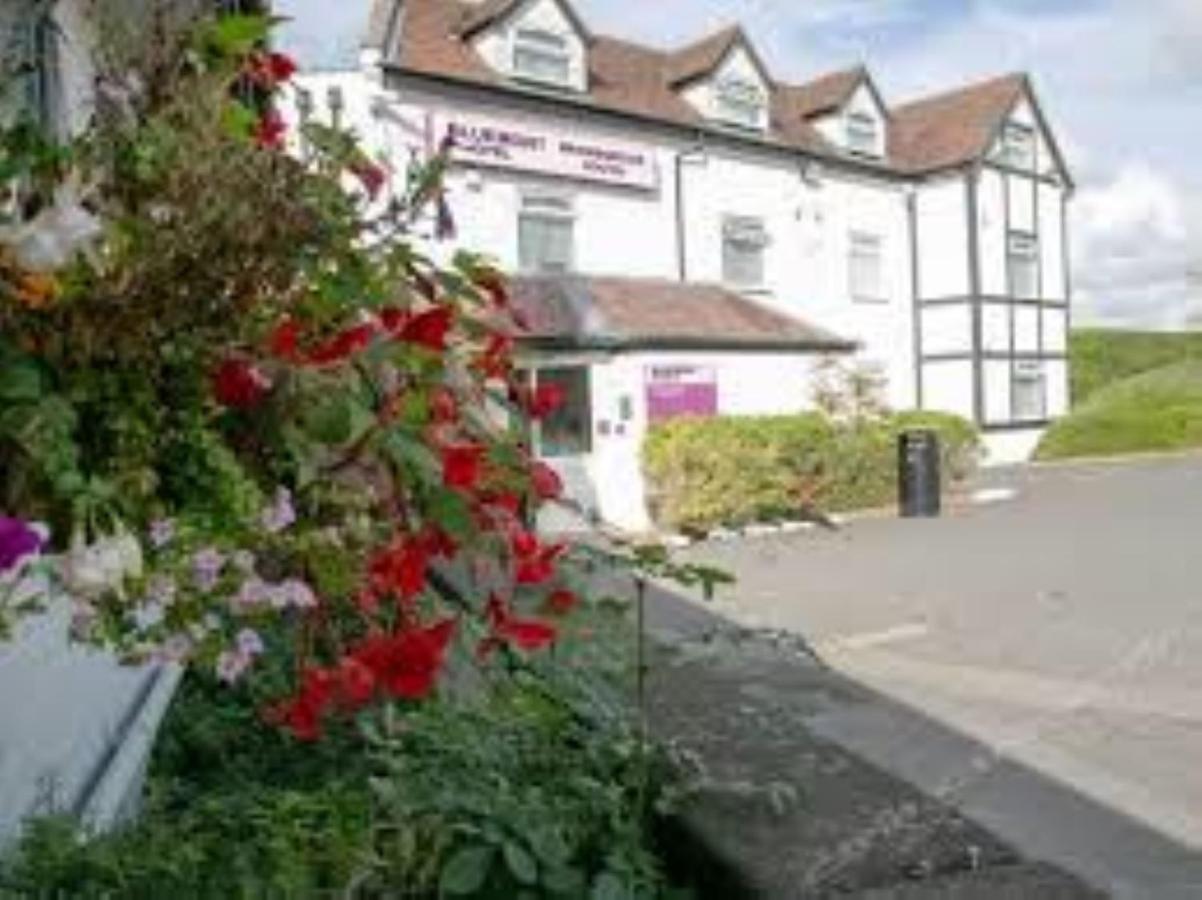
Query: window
{"type": "Point", "coordinates": [1029, 392]}
{"type": "Point", "coordinates": [1018, 146]}
{"type": "Point", "coordinates": [542, 56]}
{"type": "Point", "coordinates": [569, 430]}
{"type": "Point", "coordinates": [862, 133]}
{"type": "Point", "coordinates": [739, 102]}
{"type": "Point", "coordinates": [545, 235]}
{"type": "Point", "coordinates": [1024, 266]}
{"type": "Point", "coordinates": [866, 266]}
{"type": "Point", "coordinates": [743, 242]}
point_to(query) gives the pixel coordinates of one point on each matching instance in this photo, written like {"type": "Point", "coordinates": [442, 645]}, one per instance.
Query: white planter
{"type": "Point", "coordinates": [76, 728]}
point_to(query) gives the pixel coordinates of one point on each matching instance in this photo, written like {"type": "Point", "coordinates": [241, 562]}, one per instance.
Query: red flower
{"type": "Point", "coordinates": [545, 399]}
{"type": "Point", "coordinates": [561, 602]}
{"type": "Point", "coordinates": [406, 665]}
{"type": "Point", "coordinates": [428, 329]}
{"type": "Point", "coordinates": [534, 562]}
{"type": "Point", "coordinates": [271, 130]}
{"type": "Point", "coordinates": [439, 543]}
{"type": "Point", "coordinates": [284, 341]}
{"type": "Point", "coordinates": [302, 714]}
{"type": "Point", "coordinates": [371, 175]}
{"type": "Point", "coordinates": [240, 384]}
{"type": "Point", "coordinates": [525, 634]}
{"type": "Point", "coordinates": [495, 360]}
{"type": "Point", "coordinates": [444, 408]}
{"type": "Point", "coordinates": [400, 569]}
{"type": "Point", "coordinates": [546, 481]}
{"type": "Point", "coordinates": [462, 466]}
{"type": "Point", "coordinates": [343, 345]}
{"type": "Point", "coordinates": [281, 66]}
{"type": "Point", "coordinates": [356, 683]}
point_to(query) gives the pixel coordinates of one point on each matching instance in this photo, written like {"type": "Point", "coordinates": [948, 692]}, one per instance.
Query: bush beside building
{"type": "Point", "coordinates": [733, 471]}
{"type": "Point", "coordinates": [1101, 357]}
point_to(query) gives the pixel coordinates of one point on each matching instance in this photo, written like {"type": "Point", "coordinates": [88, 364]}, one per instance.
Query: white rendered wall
{"type": "Point", "coordinates": [996, 374]}
{"type": "Point", "coordinates": [738, 66]}
{"type": "Point", "coordinates": [942, 213]}
{"type": "Point", "coordinates": [1011, 448]}
{"type": "Point", "coordinates": [991, 214]}
{"type": "Point", "coordinates": [947, 386]}
{"type": "Point", "coordinates": [947, 329]}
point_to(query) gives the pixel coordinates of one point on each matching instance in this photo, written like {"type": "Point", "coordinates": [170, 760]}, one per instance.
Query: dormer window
{"type": "Point", "coordinates": [1018, 146]}
{"type": "Point", "coordinates": [863, 134]}
{"type": "Point", "coordinates": [542, 56]}
{"type": "Point", "coordinates": [739, 102]}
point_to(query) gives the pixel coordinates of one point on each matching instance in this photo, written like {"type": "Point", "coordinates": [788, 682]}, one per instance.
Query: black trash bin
{"type": "Point", "coordinates": [919, 480]}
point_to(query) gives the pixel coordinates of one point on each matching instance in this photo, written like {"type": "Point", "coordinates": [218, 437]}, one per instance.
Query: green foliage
{"type": "Point", "coordinates": [1101, 356]}
{"type": "Point", "coordinates": [1160, 410]}
{"type": "Point", "coordinates": [735, 471]}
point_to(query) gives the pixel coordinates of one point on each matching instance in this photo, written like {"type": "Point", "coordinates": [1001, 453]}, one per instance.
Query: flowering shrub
{"type": "Point", "coordinates": [245, 399]}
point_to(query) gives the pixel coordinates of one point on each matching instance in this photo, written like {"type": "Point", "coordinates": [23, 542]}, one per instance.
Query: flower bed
{"type": "Point", "coordinates": [728, 471]}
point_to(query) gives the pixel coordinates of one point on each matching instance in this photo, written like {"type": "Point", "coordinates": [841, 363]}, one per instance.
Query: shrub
{"type": "Point", "coordinates": [1101, 357]}
{"type": "Point", "coordinates": [1156, 411]}
{"type": "Point", "coordinates": [735, 471]}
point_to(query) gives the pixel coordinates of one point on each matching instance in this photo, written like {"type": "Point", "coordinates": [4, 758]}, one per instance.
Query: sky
{"type": "Point", "coordinates": [1120, 81]}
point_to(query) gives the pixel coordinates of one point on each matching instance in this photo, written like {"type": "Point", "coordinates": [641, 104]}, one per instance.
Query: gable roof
{"type": "Point", "coordinates": [927, 135]}
{"type": "Point", "coordinates": [955, 127]}
{"type": "Point", "coordinates": [488, 12]}
{"type": "Point", "coordinates": [581, 311]}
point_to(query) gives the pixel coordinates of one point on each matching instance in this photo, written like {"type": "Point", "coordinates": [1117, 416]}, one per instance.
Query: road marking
{"type": "Point", "coordinates": [867, 640]}
{"type": "Point", "coordinates": [986, 496]}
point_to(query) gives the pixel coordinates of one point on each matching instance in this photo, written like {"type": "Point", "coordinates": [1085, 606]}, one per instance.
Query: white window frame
{"type": "Point", "coordinates": [1030, 373]}
{"type": "Point", "coordinates": [1022, 261]}
{"type": "Point", "coordinates": [546, 209]}
{"type": "Point", "coordinates": [1018, 146]}
{"type": "Point", "coordinates": [866, 248]}
{"type": "Point", "coordinates": [863, 133]}
{"type": "Point", "coordinates": [738, 101]}
{"type": "Point", "coordinates": [749, 235]}
{"type": "Point", "coordinates": [532, 46]}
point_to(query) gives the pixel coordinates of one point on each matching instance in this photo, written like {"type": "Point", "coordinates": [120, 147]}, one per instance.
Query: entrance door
{"type": "Point", "coordinates": [564, 440]}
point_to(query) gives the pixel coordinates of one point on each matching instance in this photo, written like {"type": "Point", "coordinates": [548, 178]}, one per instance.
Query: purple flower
{"type": "Point", "coordinates": [253, 592]}
{"type": "Point", "coordinates": [249, 642]}
{"type": "Point", "coordinates": [297, 594]}
{"type": "Point", "coordinates": [162, 533]}
{"type": "Point", "coordinates": [18, 541]}
{"type": "Point", "coordinates": [281, 514]}
{"type": "Point", "coordinates": [232, 665]}
{"type": "Point", "coordinates": [206, 568]}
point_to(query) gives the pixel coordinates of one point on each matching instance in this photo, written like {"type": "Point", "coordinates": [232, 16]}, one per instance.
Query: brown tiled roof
{"type": "Point", "coordinates": [648, 312]}
{"type": "Point", "coordinates": [699, 59]}
{"type": "Point", "coordinates": [822, 95]}
{"type": "Point", "coordinates": [484, 14]}
{"type": "Point", "coordinates": [633, 79]}
{"type": "Point", "coordinates": [952, 128]}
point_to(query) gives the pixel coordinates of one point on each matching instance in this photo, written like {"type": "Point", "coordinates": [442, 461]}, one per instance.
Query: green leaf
{"type": "Point", "coordinates": [466, 871]}
{"type": "Point", "coordinates": [238, 120]}
{"type": "Point", "coordinates": [20, 381]}
{"type": "Point", "coordinates": [609, 887]}
{"type": "Point", "coordinates": [238, 35]}
{"type": "Point", "coordinates": [549, 845]}
{"type": "Point", "coordinates": [520, 863]}
{"type": "Point", "coordinates": [450, 511]}
{"type": "Point", "coordinates": [331, 422]}
{"type": "Point", "coordinates": [564, 881]}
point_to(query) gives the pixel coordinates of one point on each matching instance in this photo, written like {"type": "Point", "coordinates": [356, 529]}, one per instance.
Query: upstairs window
{"type": "Point", "coordinates": [1029, 391]}
{"type": "Point", "coordinates": [542, 56]}
{"type": "Point", "coordinates": [863, 134]}
{"type": "Point", "coordinates": [1018, 146]}
{"type": "Point", "coordinates": [744, 241]}
{"type": "Point", "coordinates": [866, 266]}
{"type": "Point", "coordinates": [1023, 263]}
{"type": "Point", "coordinates": [546, 235]}
{"type": "Point", "coordinates": [739, 102]}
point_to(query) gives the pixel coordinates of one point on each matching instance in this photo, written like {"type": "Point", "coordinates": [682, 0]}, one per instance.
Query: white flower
{"type": "Point", "coordinates": [52, 239]}
{"type": "Point", "coordinates": [232, 665]}
{"type": "Point", "coordinates": [249, 642]}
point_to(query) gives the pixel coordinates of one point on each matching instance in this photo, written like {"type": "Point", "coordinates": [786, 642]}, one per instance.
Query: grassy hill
{"type": "Point", "coordinates": [1102, 357]}
{"type": "Point", "coordinates": [1157, 410]}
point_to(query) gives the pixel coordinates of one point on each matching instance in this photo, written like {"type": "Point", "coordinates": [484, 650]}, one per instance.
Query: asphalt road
{"type": "Point", "coordinates": [1048, 646]}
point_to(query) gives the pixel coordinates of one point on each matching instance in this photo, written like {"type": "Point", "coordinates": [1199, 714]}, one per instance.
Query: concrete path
{"type": "Point", "coordinates": [1042, 656]}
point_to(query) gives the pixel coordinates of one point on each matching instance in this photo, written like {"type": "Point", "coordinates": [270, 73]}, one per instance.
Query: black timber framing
{"type": "Point", "coordinates": [972, 185]}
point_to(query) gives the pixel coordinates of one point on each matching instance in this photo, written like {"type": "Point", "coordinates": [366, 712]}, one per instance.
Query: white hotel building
{"type": "Point", "coordinates": [692, 236]}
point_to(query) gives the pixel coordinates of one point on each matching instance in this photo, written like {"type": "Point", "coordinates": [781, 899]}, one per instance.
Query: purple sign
{"type": "Point", "coordinates": [681, 391]}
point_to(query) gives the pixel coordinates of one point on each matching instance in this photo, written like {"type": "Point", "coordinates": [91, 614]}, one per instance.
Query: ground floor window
{"type": "Point", "coordinates": [1030, 392]}
{"type": "Point", "coordinates": [569, 430]}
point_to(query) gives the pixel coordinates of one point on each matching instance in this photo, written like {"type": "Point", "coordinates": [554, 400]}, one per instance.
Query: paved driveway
{"type": "Point", "coordinates": [1061, 629]}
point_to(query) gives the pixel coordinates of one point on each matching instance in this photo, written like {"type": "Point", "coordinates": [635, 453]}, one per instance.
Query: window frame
{"type": "Point", "coordinates": [857, 239]}
{"type": "Point", "coordinates": [1030, 255]}
{"type": "Point", "coordinates": [539, 44]}
{"type": "Point", "coordinates": [556, 209]}
{"type": "Point", "coordinates": [1029, 372]}
{"type": "Point", "coordinates": [1028, 161]}
{"type": "Point", "coordinates": [734, 95]}
{"type": "Point", "coordinates": [859, 117]}
{"type": "Point", "coordinates": [754, 237]}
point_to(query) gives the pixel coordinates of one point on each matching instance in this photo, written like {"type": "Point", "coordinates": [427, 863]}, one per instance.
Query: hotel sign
{"type": "Point", "coordinates": [533, 148]}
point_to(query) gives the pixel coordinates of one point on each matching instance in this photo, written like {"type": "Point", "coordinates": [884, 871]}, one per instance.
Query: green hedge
{"type": "Point", "coordinates": [1101, 357]}
{"type": "Point", "coordinates": [734, 471]}
{"type": "Point", "coordinates": [1159, 410]}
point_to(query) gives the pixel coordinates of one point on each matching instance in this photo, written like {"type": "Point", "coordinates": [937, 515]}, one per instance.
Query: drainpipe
{"type": "Point", "coordinates": [695, 154]}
